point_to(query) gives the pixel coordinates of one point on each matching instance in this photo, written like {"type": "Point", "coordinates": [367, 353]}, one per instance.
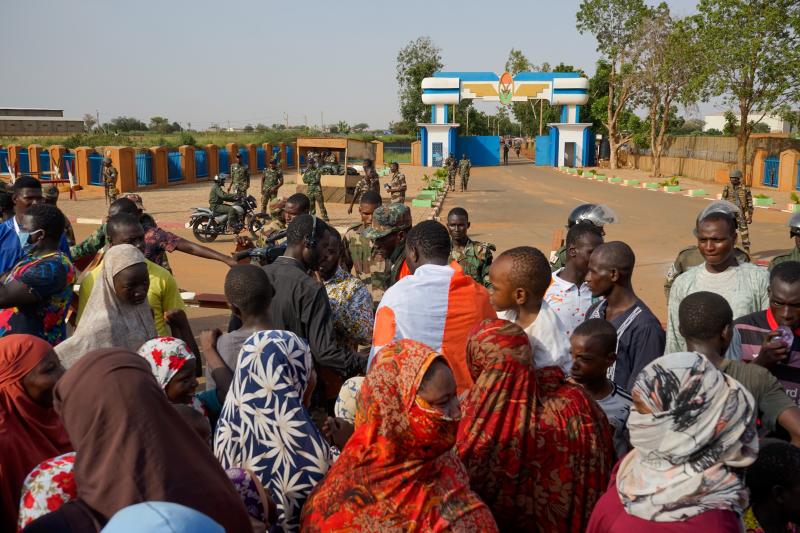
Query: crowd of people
{"type": "Point", "coordinates": [398, 377]}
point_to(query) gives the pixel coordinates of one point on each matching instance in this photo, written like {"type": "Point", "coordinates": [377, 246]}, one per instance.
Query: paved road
{"type": "Point", "coordinates": [522, 204]}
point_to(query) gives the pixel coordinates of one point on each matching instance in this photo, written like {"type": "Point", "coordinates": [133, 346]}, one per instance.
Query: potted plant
{"type": "Point", "coordinates": [794, 205]}
{"type": "Point", "coordinates": [670, 185]}
{"type": "Point", "coordinates": [762, 200]}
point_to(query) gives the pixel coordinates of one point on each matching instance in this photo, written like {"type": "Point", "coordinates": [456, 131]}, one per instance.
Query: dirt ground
{"type": "Point", "coordinates": [513, 205]}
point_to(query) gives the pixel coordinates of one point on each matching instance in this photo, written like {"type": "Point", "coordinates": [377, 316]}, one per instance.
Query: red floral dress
{"type": "Point", "coordinates": [49, 486]}
{"type": "Point", "coordinates": [399, 471]}
{"type": "Point", "coordinates": [538, 450]}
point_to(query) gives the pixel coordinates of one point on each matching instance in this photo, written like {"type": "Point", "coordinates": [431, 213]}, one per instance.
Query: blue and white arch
{"type": "Point", "coordinates": [571, 139]}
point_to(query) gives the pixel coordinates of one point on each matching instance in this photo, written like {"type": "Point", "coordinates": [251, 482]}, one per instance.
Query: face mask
{"type": "Point", "coordinates": [24, 237]}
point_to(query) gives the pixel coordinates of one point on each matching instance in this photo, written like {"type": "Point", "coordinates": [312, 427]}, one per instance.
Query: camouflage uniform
{"type": "Point", "coordinates": [272, 177]}
{"type": "Point", "coordinates": [110, 182]}
{"type": "Point", "coordinates": [276, 223]}
{"type": "Point", "coordinates": [368, 183]}
{"type": "Point", "coordinates": [464, 167]}
{"type": "Point", "coordinates": [90, 245]}
{"type": "Point", "coordinates": [384, 271]}
{"type": "Point", "coordinates": [792, 255]}
{"type": "Point", "coordinates": [240, 179]}
{"type": "Point", "coordinates": [475, 258]}
{"type": "Point", "coordinates": [312, 178]}
{"type": "Point", "coordinates": [742, 198]}
{"type": "Point", "coordinates": [452, 168]}
{"type": "Point", "coordinates": [359, 249]}
{"type": "Point", "coordinates": [398, 181]}
{"type": "Point", "coordinates": [690, 257]}
{"type": "Point", "coordinates": [216, 202]}
{"type": "Point", "coordinates": [560, 259]}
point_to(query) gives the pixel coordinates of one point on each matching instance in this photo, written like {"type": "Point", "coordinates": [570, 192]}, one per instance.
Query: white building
{"type": "Point", "coordinates": [776, 124]}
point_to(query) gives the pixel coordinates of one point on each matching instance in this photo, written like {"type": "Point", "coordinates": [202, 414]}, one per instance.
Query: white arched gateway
{"type": "Point", "coordinates": [570, 142]}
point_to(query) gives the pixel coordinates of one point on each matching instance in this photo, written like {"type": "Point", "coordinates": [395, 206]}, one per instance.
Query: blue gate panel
{"type": "Point", "coordinates": [23, 162]}
{"type": "Point", "coordinates": [261, 156]}
{"type": "Point", "coordinates": [4, 162]}
{"type": "Point", "coordinates": [224, 165]}
{"type": "Point", "coordinates": [289, 156]}
{"type": "Point", "coordinates": [144, 169]}
{"type": "Point", "coordinates": [797, 177]}
{"type": "Point", "coordinates": [201, 163]}
{"type": "Point", "coordinates": [68, 160]}
{"type": "Point", "coordinates": [543, 158]}
{"type": "Point", "coordinates": [771, 165]}
{"type": "Point", "coordinates": [174, 172]}
{"type": "Point", "coordinates": [95, 169]}
{"type": "Point", "coordinates": [44, 165]}
{"type": "Point", "coordinates": [483, 150]}
{"type": "Point", "coordinates": [245, 156]}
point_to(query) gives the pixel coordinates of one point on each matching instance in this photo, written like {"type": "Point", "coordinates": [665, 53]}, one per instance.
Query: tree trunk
{"type": "Point", "coordinates": [654, 148]}
{"type": "Point", "coordinates": [613, 145]}
{"type": "Point", "coordinates": [742, 137]}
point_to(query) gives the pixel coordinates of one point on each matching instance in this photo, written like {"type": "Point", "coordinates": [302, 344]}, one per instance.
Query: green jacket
{"type": "Point", "coordinates": [312, 178]}
{"type": "Point", "coordinates": [560, 259]}
{"type": "Point", "coordinates": [217, 197]}
{"type": "Point", "coordinates": [384, 272]}
{"type": "Point", "coordinates": [790, 255]}
{"type": "Point", "coordinates": [271, 178]}
{"type": "Point", "coordinates": [475, 259]}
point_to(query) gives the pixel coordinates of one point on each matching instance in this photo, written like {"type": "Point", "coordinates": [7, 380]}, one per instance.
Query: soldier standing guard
{"type": "Point", "coordinates": [463, 169]}
{"type": "Point", "coordinates": [312, 178]}
{"type": "Point", "coordinates": [451, 165]}
{"type": "Point", "coordinates": [397, 185]}
{"type": "Point", "coordinates": [473, 257]}
{"type": "Point", "coordinates": [110, 180]}
{"type": "Point", "coordinates": [742, 198]}
{"type": "Point", "coordinates": [240, 177]}
{"type": "Point", "coordinates": [368, 183]}
{"type": "Point", "coordinates": [270, 183]}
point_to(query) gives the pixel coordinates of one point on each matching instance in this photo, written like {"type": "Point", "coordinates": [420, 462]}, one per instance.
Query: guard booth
{"type": "Point", "coordinates": [350, 154]}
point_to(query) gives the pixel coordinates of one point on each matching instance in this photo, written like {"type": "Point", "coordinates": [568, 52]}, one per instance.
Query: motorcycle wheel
{"type": "Point", "coordinates": [201, 230]}
{"type": "Point", "coordinates": [257, 221]}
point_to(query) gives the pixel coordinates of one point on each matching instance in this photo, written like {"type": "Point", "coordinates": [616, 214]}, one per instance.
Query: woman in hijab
{"type": "Point", "coordinates": [399, 470]}
{"type": "Point", "coordinates": [537, 449]}
{"type": "Point", "coordinates": [30, 430]}
{"type": "Point", "coordinates": [173, 366]}
{"type": "Point", "coordinates": [131, 446]}
{"type": "Point", "coordinates": [117, 314]}
{"type": "Point", "coordinates": [264, 425]}
{"type": "Point", "coordinates": [692, 429]}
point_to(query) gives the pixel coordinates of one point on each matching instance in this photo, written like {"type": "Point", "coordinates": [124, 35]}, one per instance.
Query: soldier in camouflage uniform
{"type": "Point", "coordinates": [464, 167]}
{"type": "Point", "coordinates": [369, 182]}
{"type": "Point", "coordinates": [312, 177]}
{"type": "Point", "coordinates": [596, 214]}
{"type": "Point", "coordinates": [217, 198]}
{"type": "Point", "coordinates": [690, 257]}
{"type": "Point", "coordinates": [276, 224]}
{"type": "Point", "coordinates": [50, 196]}
{"type": "Point", "coordinates": [110, 180]}
{"type": "Point", "coordinates": [240, 177]}
{"type": "Point", "coordinates": [357, 247]}
{"type": "Point", "coordinates": [474, 257]}
{"type": "Point", "coordinates": [397, 185]}
{"type": "Point", "coordinates": [390, 224]}
{"type": "Point", "coordinates": [794, 253]}
{"type": "Point", "coordinates": [270, 183]}
{"type": "Point", "coordinates": [452, 169]}
{"type": "Point", "coordinates": [739, 195]}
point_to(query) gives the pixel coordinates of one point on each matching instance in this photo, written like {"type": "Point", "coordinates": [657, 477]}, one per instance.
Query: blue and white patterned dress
{"type": "Point", "coordinates": [265, 428]}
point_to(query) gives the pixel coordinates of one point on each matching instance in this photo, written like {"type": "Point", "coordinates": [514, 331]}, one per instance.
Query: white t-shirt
{"type": "Point", "coordinates": [568, 300]}
{"type": "Point", "coordinates": [548, 338]}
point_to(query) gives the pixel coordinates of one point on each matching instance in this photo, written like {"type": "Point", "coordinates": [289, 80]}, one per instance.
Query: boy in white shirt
{"type": "Point", "coordinates": [520, 276]}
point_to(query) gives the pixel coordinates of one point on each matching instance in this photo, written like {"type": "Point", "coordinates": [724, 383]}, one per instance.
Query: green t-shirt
{"type": "Point", "coordinates": [767, 391]}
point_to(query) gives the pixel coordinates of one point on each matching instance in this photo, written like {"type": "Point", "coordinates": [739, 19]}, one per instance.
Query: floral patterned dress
{"type": "Point", "coordinates": [538, 450]}
{"type": "Point", "coordinates": [49, 486]}
{"type": "Point", "coordinates": [399, 471]}
{"type": "Point", "coordinates": [351, 307]}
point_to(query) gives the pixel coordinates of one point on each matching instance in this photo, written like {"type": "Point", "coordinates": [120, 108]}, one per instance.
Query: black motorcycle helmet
{"type": "Point", "coordinates": [597, 214]}
{"type": "Point", "coordinates": [220, 179]}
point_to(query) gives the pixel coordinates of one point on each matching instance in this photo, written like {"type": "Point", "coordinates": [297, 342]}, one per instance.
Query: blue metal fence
{"type": "Point", "coordinates": [174, 172]}
{"type": "Point", "coordinates": [276, 153]}
{"type": "Point", "coordinates": [44, 165]}
{"type": "Point", "coordinates": [245, 155]}
{"type": "Point", "coordinates": [4, 161]}
{"type": "Point", "coordinates": [144, 169]}
{"type": "Point", "coordinates": [68, 157]}
{"type": "Point", "coordinates": [481, 150]}
{"type": "Point", "coordinates": [23, 162]}
{"type": "Point", "coordinates": [201, 164]}
{"type": "Point", "coordinates": [797, 177]}
{"type": "Point", "coordinates": [289, 156]}
{"type": "Point", "coordinates": [224, 166]}
{"type": "Point", "coordinates": [771, 165]}
{"type": "Point", "coordinates": [95, 169]}
{"type": "Point", "coordinates": [261, 156]}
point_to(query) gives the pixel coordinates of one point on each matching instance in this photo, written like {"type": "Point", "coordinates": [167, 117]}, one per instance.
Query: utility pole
{"type": "Point", "coordinates": [286, 119]}
{"type": "Point", "coordinates": [541, 103]}
{"type": "Point", "coordinates": [305, 117]}
{"type": "Point", "coordinates": [467, 121]}
{"type": "Point", "coordinates": [97, 117]}
{"type": "Point", "coordinates": [322, 121]}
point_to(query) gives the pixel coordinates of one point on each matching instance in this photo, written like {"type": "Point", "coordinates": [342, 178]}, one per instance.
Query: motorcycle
{"type": "Point", "coordinates": [206, 227]}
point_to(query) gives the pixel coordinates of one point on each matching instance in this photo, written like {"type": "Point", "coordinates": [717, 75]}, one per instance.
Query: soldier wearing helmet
{"type": "Point", "coordinates": [794, 233]}
{"type": "Point", "coordinates": [739, 195]}
{"type": "Point", "coordinates": [110, 180]}
{"type": "Point", "coordinates": [596, 214]}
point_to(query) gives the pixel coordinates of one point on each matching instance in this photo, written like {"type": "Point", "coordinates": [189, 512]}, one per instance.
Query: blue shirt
{"type": "Point", "coordinates": [9, 249]}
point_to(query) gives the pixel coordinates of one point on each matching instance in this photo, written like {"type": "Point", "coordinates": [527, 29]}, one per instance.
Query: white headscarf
{"type": "Point", "coordinates": [701, 427]}
{"type": "Point", "coordinates": [108, 322]}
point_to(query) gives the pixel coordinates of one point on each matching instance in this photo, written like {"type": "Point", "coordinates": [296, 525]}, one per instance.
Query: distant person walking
{"type": "Point", "coordinates": [739, 195]}
{"type": "Point", "coordinates": [110, 180]}
{"type": "Point", "coordinates": [505, 152]}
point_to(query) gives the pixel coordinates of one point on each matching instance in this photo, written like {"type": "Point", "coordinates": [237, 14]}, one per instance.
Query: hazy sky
{"type": "Point", "coordinates": [251, 61]}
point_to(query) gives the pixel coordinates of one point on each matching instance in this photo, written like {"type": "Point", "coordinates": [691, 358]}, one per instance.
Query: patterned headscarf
{"type": "Point", "coordinates": [538, 450]}
{"type": "Point", "coordinates": [49, 486]}
{"type": "Point", "coordinates": [265, 428]}
{"type": "Point", "coordinates": [166, 356]}
{"type": "Point", "coordinates": [701, 426]}
{"type": "Point", "coordinates": [399, 470]}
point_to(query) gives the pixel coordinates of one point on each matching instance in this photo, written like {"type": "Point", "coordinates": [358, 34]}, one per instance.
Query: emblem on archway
{"type": "Point", "coordinates": [505, 88]}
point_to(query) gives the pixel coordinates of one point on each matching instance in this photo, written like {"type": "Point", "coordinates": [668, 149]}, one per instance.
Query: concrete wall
{"type": "Point", "coordinates": [38, 126]}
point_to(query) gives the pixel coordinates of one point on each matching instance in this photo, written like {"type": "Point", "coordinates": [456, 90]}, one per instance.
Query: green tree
{"type": "Point", "coordinates": [248, 128]}
{"type": "Point", "coordinates": [89, 121]}
{"type": "Point", "coordinates": [361, 126]}
{"type": "Point", "coordinates": [753, 47]}
{"type": "Point", "coordinates": [615, 25]}
{"type": "Point", "coordinates": [122, 124]}
{"type": "Point", "coordinates": [159, 124]}
{"type": "Point", "coordinates": [731, 123]}
{"type": "Point", "coordinates": [419, 59]}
